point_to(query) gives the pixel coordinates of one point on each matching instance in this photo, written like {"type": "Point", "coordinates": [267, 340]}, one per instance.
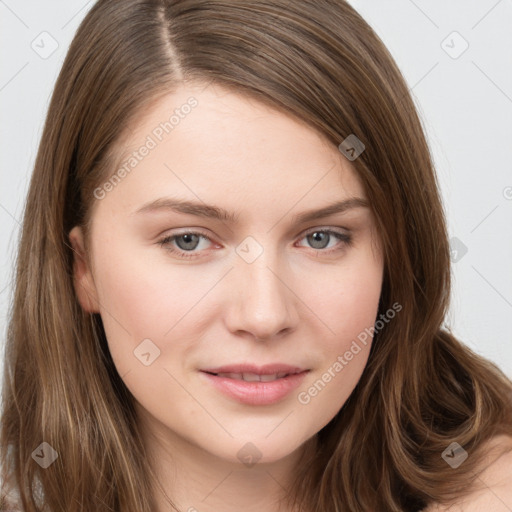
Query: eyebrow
{"type": "Point", "coordinates": [215, 212]}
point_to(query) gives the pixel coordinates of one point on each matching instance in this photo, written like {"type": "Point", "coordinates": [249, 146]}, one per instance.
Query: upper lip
{"type": "Point", "coordinates": [267, 369]}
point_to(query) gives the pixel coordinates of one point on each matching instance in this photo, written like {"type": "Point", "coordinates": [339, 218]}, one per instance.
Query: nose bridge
{"type": "Point", "coordinates": [263, 302]}
{"type": "Point", "coordinates": [263, 286]}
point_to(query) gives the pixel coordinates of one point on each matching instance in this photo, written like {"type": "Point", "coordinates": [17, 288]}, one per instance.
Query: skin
{"type": "Point", "coordinates": [492, 490]}
{"type": "Point", "coordinates": [295, 303]}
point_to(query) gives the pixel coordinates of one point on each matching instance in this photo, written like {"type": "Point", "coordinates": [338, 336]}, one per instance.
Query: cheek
{"type": "Point", "coordinates": [349, 307]}
{"type": "Point", "coordinates": [140, 299]}
{"type": "Point", "coordinates": [344, 298]}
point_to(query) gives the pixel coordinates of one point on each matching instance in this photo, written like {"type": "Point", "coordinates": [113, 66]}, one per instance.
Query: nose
{"type": "Point", "coordinates": [262, 304]}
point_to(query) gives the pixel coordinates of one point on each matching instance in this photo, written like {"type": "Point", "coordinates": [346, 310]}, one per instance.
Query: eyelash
{"type": "Point", "coordinates": [344, 238]}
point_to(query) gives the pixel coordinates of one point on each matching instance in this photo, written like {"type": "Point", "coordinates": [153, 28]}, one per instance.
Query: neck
{"type": "Point", "coordinates": [197, 480]}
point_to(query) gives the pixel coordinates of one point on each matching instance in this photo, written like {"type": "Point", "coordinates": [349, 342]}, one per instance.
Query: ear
{"type": "Point", "coordinates": [83, 281]}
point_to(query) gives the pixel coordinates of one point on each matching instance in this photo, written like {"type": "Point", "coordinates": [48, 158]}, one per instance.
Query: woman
{"type": "Point", "coordinates": [232, 277]}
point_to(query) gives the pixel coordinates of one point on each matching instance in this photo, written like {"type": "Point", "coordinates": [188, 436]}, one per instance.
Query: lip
{"type": "Point", "coordinates": [267, 369]}
{"type": "Point", "coordinates": [256, 392]}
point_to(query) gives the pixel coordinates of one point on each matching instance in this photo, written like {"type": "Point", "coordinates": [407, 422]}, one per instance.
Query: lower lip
{"type": "Point", "coordinates": [257, 393]}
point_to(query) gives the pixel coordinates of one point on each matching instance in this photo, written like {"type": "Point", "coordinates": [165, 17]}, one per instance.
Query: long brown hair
{"type": "Point", "coordinates": [322, 63]}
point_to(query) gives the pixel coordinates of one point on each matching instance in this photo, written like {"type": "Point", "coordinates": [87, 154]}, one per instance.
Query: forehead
{"type": "Point", "coordinates": [214, 144]}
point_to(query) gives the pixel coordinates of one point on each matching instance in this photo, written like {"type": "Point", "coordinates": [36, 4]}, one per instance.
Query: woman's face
{"type": "Point", "coordinates": [183, 287]}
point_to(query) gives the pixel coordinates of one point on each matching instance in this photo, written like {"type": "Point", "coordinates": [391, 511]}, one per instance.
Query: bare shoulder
{"type": "Point", "coordinates": [8, 505]}
{"type": "Point", "coordinates": [493, 487]}
{"type": "Point", "coordinates": [9, 497]}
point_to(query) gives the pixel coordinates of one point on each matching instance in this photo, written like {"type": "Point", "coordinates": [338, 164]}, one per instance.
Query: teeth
{"type": "Point", "coordinates": [253, 377]}
{"type": "Point", "coordinates": [268, 378]}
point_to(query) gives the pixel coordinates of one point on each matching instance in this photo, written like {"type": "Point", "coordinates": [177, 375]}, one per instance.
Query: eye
{"type": "Point", "coordinates": [320, 238]}
{"type": "Point", "coordinates": [188, 241]}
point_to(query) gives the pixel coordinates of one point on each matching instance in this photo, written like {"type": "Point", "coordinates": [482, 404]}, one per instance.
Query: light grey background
{"type": "Point", "coordinates": [464, 99]}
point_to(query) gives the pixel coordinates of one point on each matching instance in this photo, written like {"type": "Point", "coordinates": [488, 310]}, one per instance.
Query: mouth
{"type": "Point", "coordinates": [260, 386]}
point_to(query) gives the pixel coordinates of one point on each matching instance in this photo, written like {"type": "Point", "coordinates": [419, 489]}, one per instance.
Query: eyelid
{"type": "Point", "coordinates": [336, 229]}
